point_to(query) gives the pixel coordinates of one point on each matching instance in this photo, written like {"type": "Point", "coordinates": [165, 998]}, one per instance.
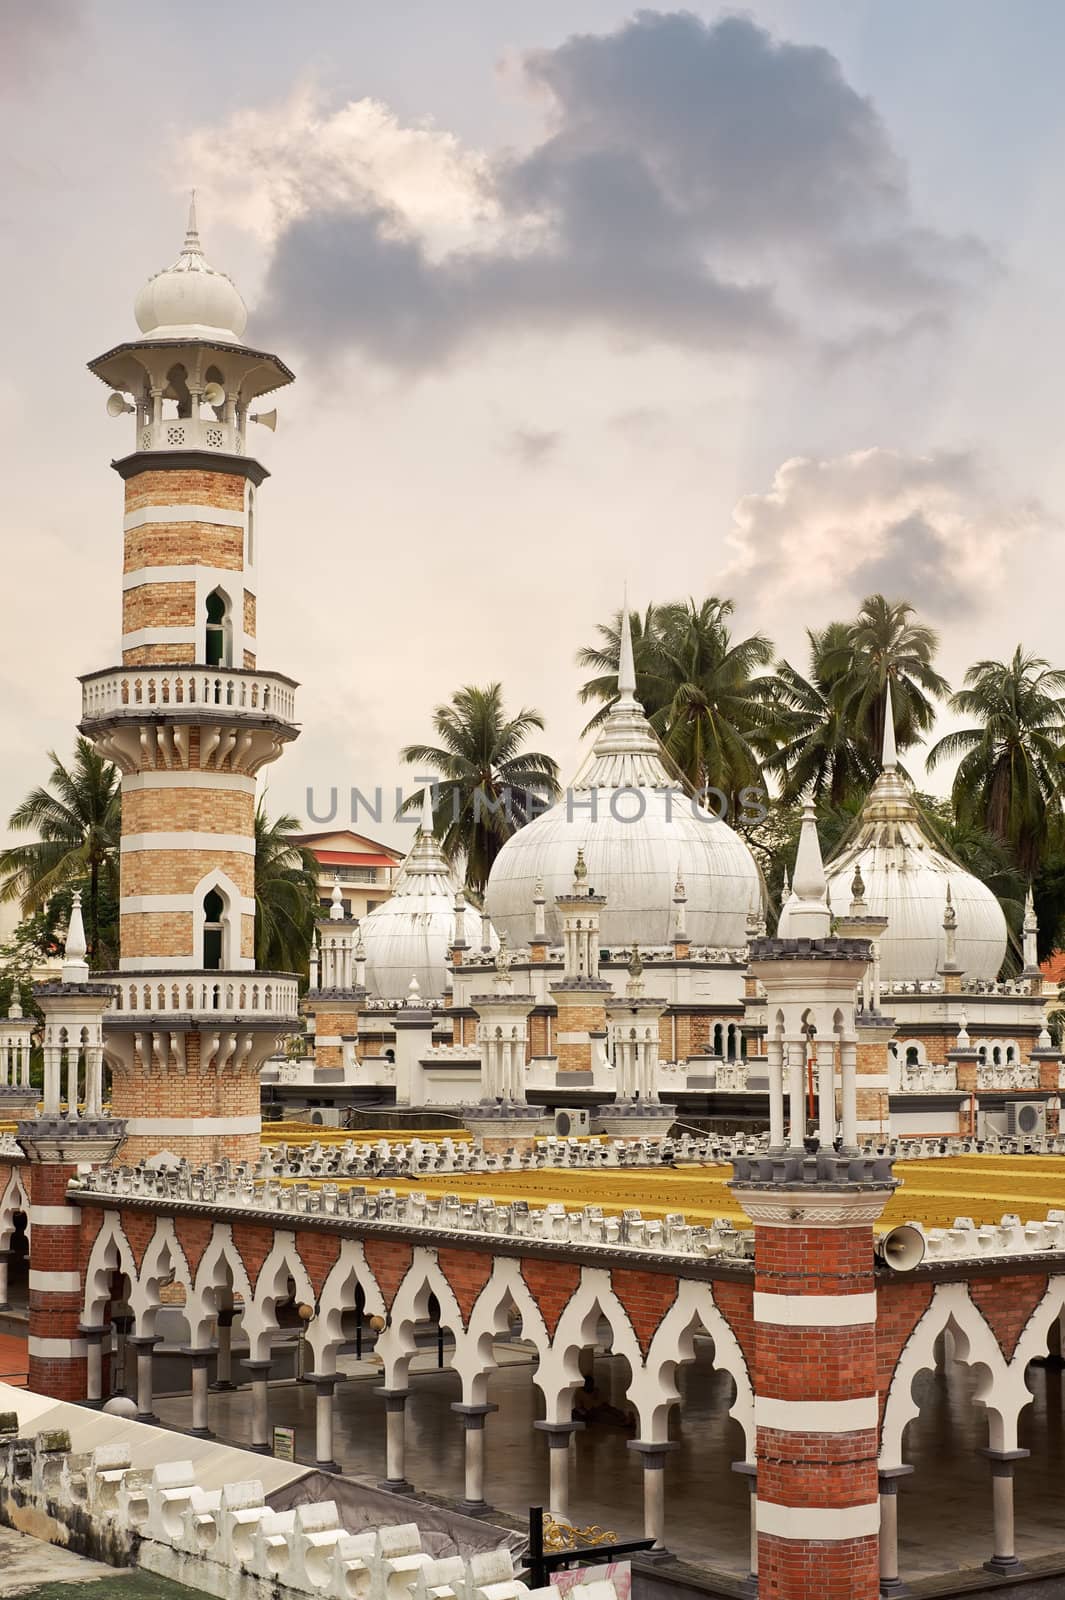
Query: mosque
{"type": "Point", "coordinates": [781, 1325]}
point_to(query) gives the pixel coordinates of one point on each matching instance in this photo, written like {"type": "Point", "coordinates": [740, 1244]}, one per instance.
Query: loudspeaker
{"type": "Point", "coordinates": [902, 1249]}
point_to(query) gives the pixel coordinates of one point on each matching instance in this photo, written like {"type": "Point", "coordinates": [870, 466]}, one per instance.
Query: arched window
{"type": "Point", "coordinates": [996, 1056]}
{"type": "Point", "coordinates": [1010, 1053]}
{"type": "Point", "coordinates": [177, 391]}
{"type": "Point", "coordinates": [219, 635]}
{"type": "Point", "coordinates": [214, 910]}
{"type": "Point", "coordinates": [249, 554]}
{"type": "Point", "coordinates": [913, 1057]}
{"type": "Point", "coordinates": [719, 1040]}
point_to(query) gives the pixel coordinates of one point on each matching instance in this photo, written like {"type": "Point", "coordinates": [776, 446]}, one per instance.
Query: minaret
{"type": "Point", "coordinates": [814, 1365]}
{"type": "Point", "coordinates": [580, 993]}
{"type": "Point", "coordinates": [190, 719]}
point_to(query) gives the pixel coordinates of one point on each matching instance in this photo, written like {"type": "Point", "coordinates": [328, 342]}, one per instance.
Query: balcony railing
{"type": "Point", "coordinates": [191, 433]}
{"type": "Point", "coordinates": [227, 995]}
{"type": "Point", "coordinates": [133, 691]}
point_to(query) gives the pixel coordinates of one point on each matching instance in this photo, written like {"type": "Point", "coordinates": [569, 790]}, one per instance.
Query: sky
{"type": "Point", "coordinates": [761, 303]}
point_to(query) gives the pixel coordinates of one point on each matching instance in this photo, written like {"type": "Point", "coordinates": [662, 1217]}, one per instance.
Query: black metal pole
{"type": "Point", "coordinates": [537, 1570]}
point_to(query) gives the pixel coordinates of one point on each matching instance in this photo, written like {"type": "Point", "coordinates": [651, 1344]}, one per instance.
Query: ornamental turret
{"type": "Point", "coordinates": [190, 719]}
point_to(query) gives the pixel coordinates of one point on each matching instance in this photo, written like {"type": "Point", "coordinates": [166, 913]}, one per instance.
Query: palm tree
{"type": "Point", "coordinates": [77, 820]}
{"type": "Point", "coordinates": [711, 712]}
{"type": "Point", "coordinates": [883, 645]}
{"type": "Point", "coordinates": [812, 744]}
{"type": "Point", "coordinates": [605, 660]}
{"type": "Point", "coordinates": [1010, 770]}
{"type": "Point", "coordinates": [286, 895]}
{"type": "Point", "coordinates": [488, 782]}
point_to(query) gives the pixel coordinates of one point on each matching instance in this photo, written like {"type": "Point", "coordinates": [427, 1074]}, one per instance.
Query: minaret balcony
{"type": "Point", "coordinates": [269, 999]}
{"type": "Point", "coordinates": [190, 692]}
{"type": "Point", "coordinates": [191, 433]}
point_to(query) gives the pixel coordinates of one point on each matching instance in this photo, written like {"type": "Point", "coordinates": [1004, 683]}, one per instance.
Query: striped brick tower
{"type": "Point", "coordinates": [54, 1143]}
{"type": "Point", "coordinates": [813, 1201]}
{"type": "Point", "coordinates": [189, 720]}
{"type": "Point", "coordinates": [580, 994]}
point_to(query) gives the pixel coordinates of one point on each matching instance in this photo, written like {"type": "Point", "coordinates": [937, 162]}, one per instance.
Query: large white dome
{"type": "Point", "coordinates": [906, 877]}
{"type": "Point", "coordinates": [191, 299]}
{"type": "Point", "coordinates": [410, 934]}
{"type": "Point", "coordinates": [634, 863]}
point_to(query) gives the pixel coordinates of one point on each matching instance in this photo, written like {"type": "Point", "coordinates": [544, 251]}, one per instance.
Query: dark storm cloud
{"type": "Point", "coordinates": [701, 185]}
{"type": "Point", "coordinates": [916, 558]}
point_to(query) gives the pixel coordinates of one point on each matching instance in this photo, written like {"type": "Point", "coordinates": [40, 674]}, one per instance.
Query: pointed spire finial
{"type": "Point", "coordinates": [810, 918]}
{"type": "Point", "coordinates": [626, 661]}
{"type": "Point", "coordinates": [192, 245]}
{"type": "Point", "coordinates": [75, 966]}
{"type": "Point", "coordinates": [427, 825]}
{"type": "Point", "coordinates": [889, 759]}
{"type": "Point", "coordinates": [950, 916]}
{"type": "Point", "coordinates": [785, 888]}
{"type": "Point", "coordinates": [336, 909]}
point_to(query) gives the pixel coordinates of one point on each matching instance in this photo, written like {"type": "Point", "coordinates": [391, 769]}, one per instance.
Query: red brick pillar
{"type": "Point", "coordinates": [815, 1389]}
{"type": "Point", "coordinates": [57, 1348]}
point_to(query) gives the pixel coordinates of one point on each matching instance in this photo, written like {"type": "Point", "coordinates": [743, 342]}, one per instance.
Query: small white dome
{"type": "Point", "coordinates": [191, 299]}
{"type": "Point", "coordinates": [410, 934]}
{"type": "Point", "coordinates": [636, 841]}
{"type": "Point", "coordinates": [906, 876]}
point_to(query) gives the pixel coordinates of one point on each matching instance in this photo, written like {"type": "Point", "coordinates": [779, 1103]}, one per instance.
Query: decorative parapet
{"type": "Point", "coordinates": [1010, 1237]}
{"type": "Point", "coordinates": [929, 1078]}
{"type": "Point", "coordinates": [1014, 1075]}
{"type": "Point", "coordinates": [218, 1533]}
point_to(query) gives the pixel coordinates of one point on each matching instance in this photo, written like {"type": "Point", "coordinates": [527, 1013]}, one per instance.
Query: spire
{"type": "Point", "coordinates": [580, 873]}
{"type": "Point", "coordinates": [950, 935]}
{"type": "Point", "coordinates": [75, 966]}
{"type": "Point", "coordinates": [680, 904]}
{"type": "Point", "coordinates": [1030, 930]}
{"type": "Point", "coordinates": [192, 245]}
{"type": "Point", "coordinates": [626, 663]}
{"type": "Point", "coordinates": [809, 917]}
{"type": "Point", "coordinates": [427, 824]}
{"type": "Point", "coordinates": [336, 909]}
{"type": "Point", "coordinates": [889, 758]}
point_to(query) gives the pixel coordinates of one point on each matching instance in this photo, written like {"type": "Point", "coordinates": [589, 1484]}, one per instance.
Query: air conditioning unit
{"type": "Point", "coordinates": [572, 1121]}
{"type": "Point", "coordinates": [327, 1117]}
{"type": "Point", "coordinates": [1026, 1119]}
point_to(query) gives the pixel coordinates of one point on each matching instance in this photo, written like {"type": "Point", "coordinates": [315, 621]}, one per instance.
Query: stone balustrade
{"type": "Point", "coordinates": [1008, 1075]}
{"type": "Point", "coordinates": [924, 1077]}
{"type": "Point", "coordinates": [162, 1519]}
{"type": "Point", "coordinates": [229, 995]}
{"type": "Point", "coordinates": [135, 691]}
{"type": "Point", "coordinates": [1010, 1237]}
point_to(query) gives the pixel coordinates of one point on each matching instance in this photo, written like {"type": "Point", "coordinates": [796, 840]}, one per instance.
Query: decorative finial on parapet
{"type": "Point", "coordinates": [810, 917]}
{"type": "Point", "coordinates": [336, 909]}
{"type": "Point", "coordinates": [857, 905]}
{"type": "Point", "coordinates": [414, 991]}
{"type": "Point", "coordinates": [950, 916]}
{"type": "Point", "coordinates": [539, 912]}
{"type": "Point", "coordinates": [14, 1005]}
{"type": "Point", "coordinates": [635, 984]}
{"type": "Point", "coordinates": [962, 1042]}
{"type": "Point", "coordinates": [580, 873]}
{"type": "Point", "coordinates": [427, 825]}
{"type": "Point", "coordinates": [75, 966]}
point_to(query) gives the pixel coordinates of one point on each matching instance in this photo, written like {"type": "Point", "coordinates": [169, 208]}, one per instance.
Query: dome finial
{"type": "Point", "coordinates": [626, 661]}
{"type": "Point", "coordinates": [427, 825]}
{"type": "Point", "coordinates": [192, 245]}
{"type": "Point", "coordinates": [889, 757]}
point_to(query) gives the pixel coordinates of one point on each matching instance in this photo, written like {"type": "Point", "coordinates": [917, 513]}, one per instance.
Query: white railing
{"type": "Point", "coordinates": [191, 433]}
{"type": "Point", "coordinates": [921, 1077]}
{"type": "Point", "coordinates": [223, 994]}
{"type": "Point", "coordinates": [1012, 1075]}
{"type": "Point", "coordinates": [134, 690]}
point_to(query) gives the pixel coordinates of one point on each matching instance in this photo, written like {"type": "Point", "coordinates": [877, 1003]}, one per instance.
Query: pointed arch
{"type": "Point", "coordinates": [110, 1253]}
{"type": "Point", "coordinates": [475, 1361]}
{"type": "Point", "coordinates": [593, 1301]}
{"type": "Point", "coordinates": [410, 1305]}
{"type": "Point", "coordinates": [221, 1278]}
{"type": "Point", "coordinates": [349, 1271]}
{"type": "Point", "coordinates": [654, 1390]}
{"type": "Point", "coordinates": [975, 1344]}
{"type": "Point", "coordinates": [260, 1316]}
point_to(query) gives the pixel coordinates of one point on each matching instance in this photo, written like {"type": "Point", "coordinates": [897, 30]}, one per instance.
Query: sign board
{"type": "Point", "coordinates": [285, 1444]}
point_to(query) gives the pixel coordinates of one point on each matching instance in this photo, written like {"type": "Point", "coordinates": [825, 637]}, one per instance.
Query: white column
{"type": "Point", "coordinates": [776, 1093]}
{"type": "Point", "coordinates": [826, 1092]}
{"type": "Point", "coordinates": [324, 1387]}
{"type": "Point", "coordinates": [849, 1073]}
{"type": "Point", "coordinates": [1004, 1559]}
{"type": "Point", "coordinates": [198, 1384]}
{"type": "Point", "coordinates": [395, 1440]}
{"type": "Point", "coordinates": [795, 1051]}
{"type": "Point", "coordinates": [473, 1422]}
{"type": "Point", "coordinates": [260, 1405]}
{"type": "Point", "coordinates": [558, 1438]}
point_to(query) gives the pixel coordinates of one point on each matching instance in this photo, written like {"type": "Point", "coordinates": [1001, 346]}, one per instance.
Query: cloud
{"type": "Point", "coordinates": [932, 528]}
{"type": "Point", "coordinates": [700, 185]}
{"type": "Point", "coordinates": [532, 446]}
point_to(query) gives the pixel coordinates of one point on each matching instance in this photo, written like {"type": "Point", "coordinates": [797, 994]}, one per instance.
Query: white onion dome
{"type": "Point", "coordinates": [906, 877]}
{"type": "Point", "coordinates": [410, 934]}
{"type": "Point", "coordinates": [639, 834]}
{"type": "Point", "coordinates": [191, 299]}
